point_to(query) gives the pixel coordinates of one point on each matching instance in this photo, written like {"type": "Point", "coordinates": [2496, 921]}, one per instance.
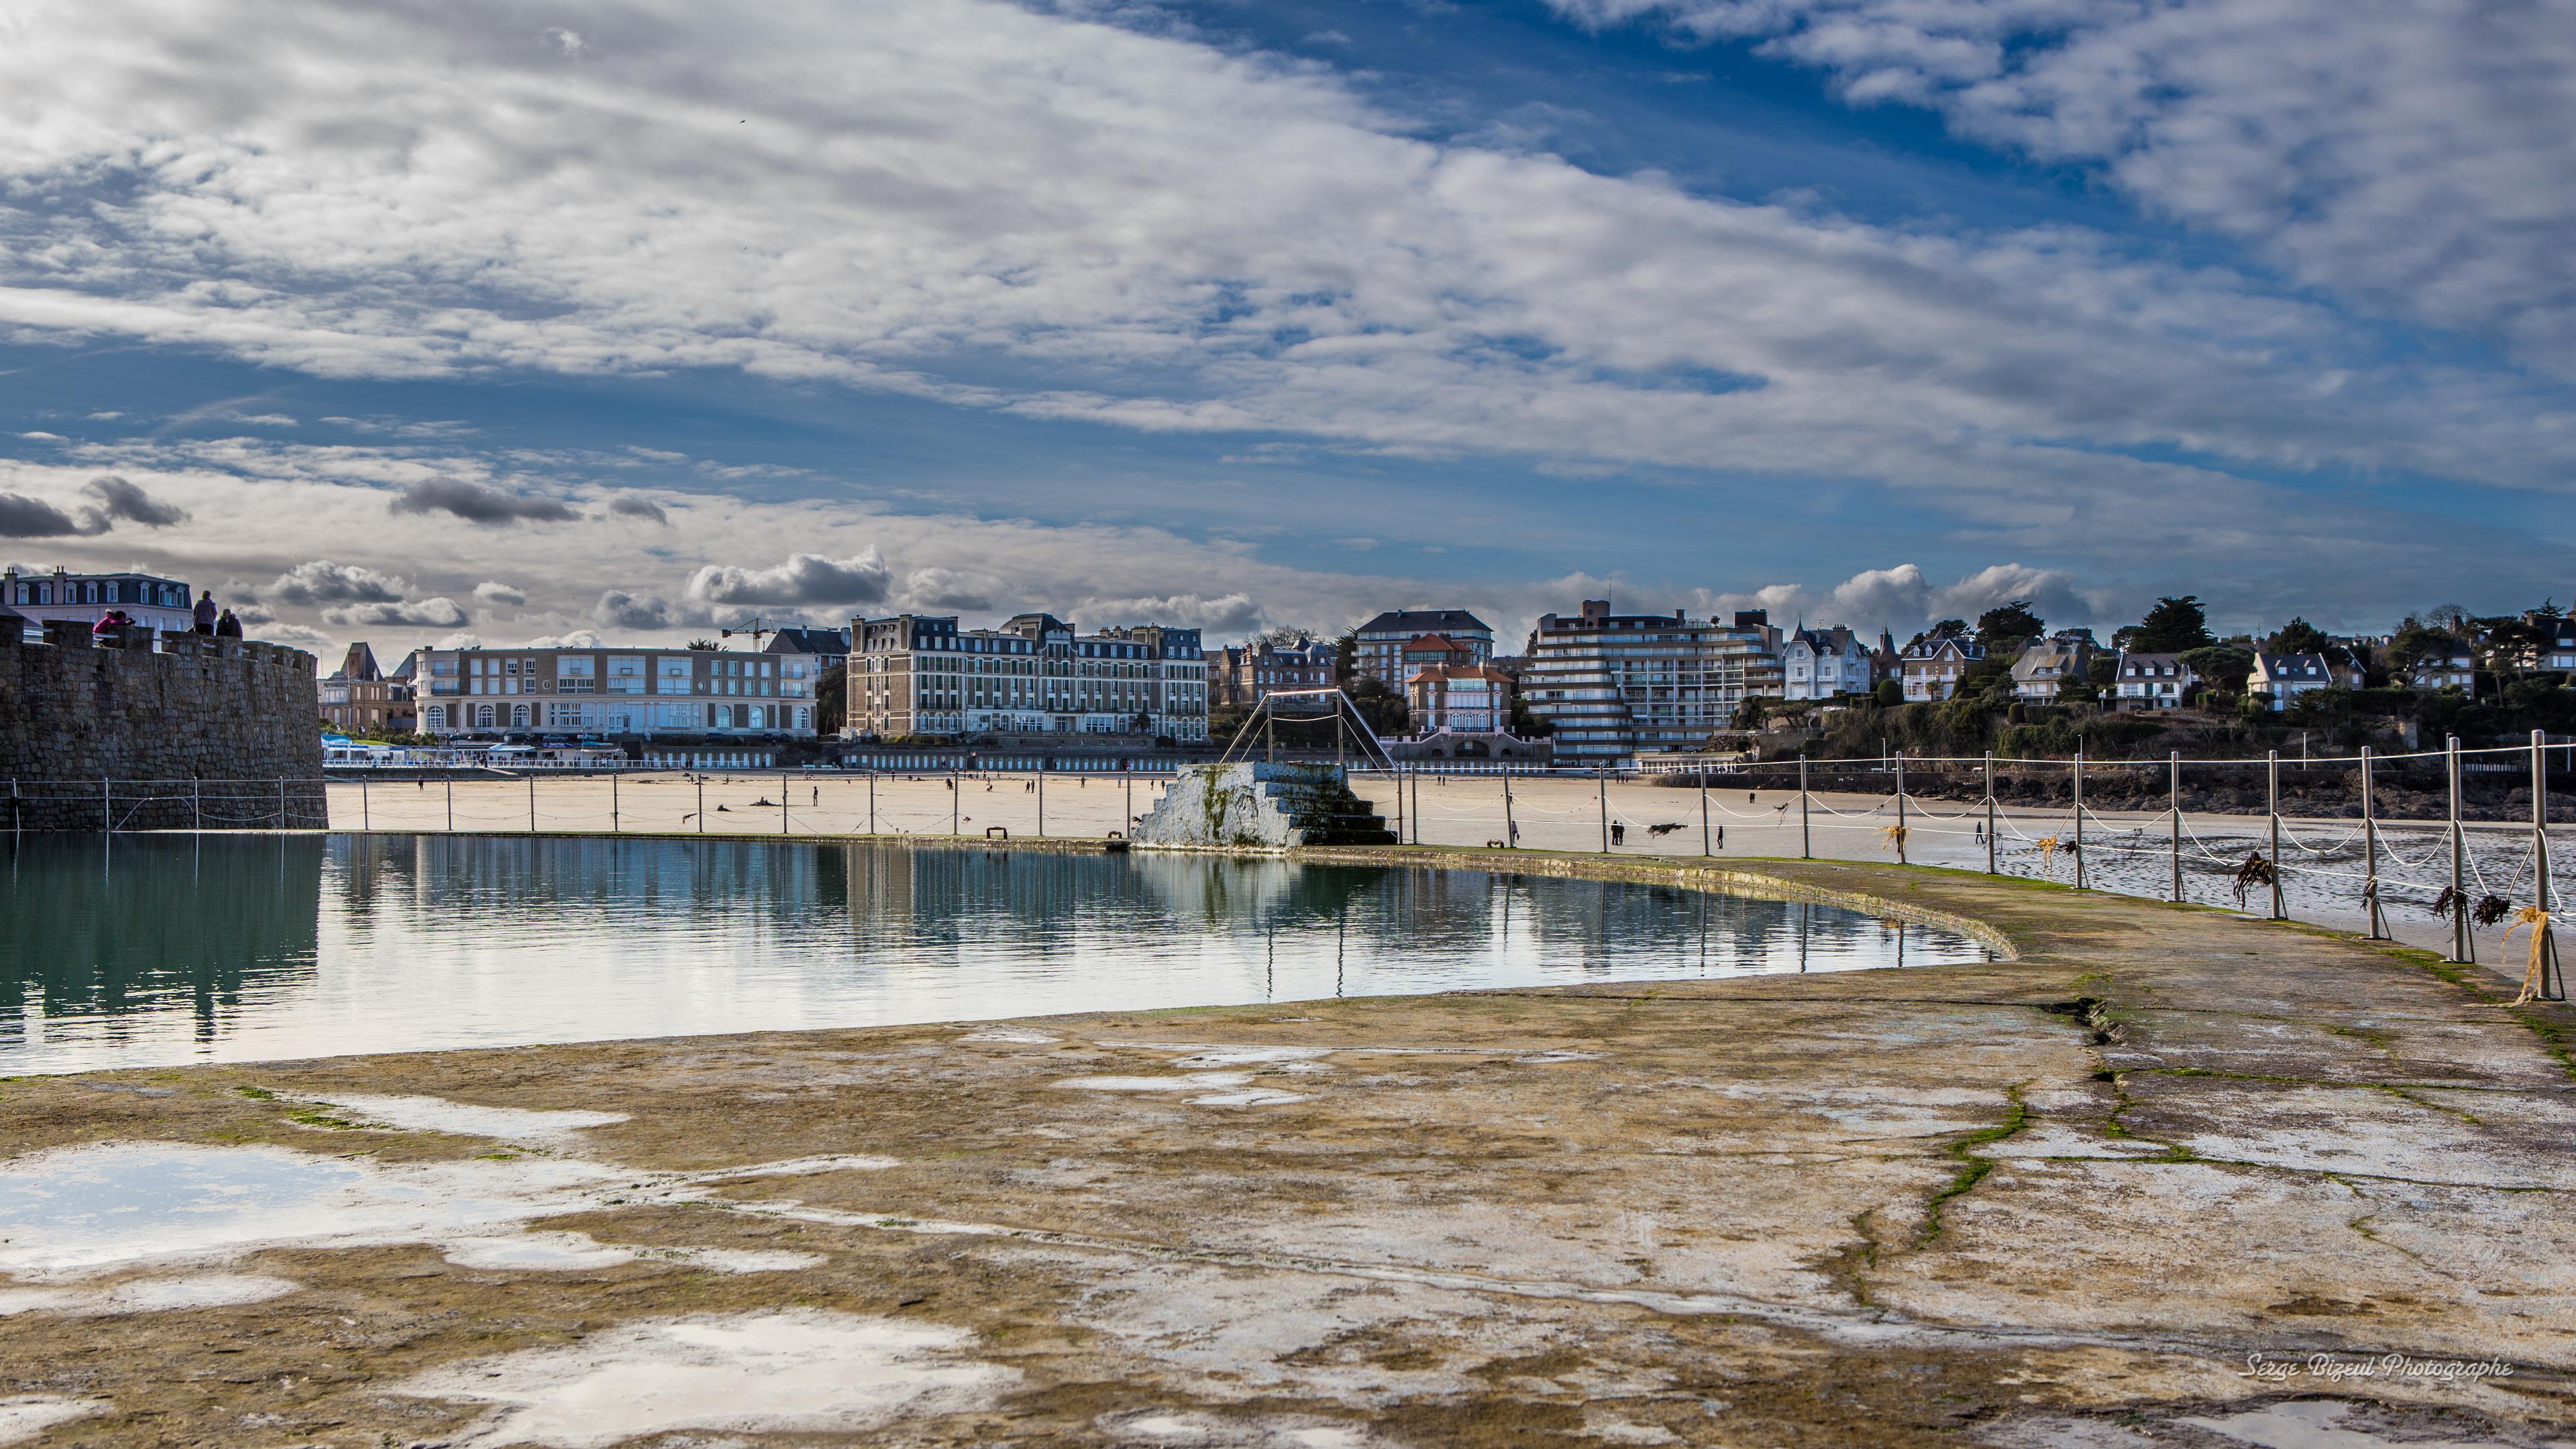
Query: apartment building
{"type": "Point", "coordinates": [151, 601]}
{"type": "Point", "coordinates": [625, 693]}
{"type": "Point", "coordinates": [362, 700]}
{"type": "Point", "coordinates": [1241, 674]}
{"type": "Point", "coordinates": [1465, 699]}
{"type": "Point", "coordinates": [1615, 684]}
{"type": "Point", "coordinates": [824, 647]}
{"type": "Point", "coordinates": [1382, 641]}
{"type": "Point", "coordinates": [916, 674]}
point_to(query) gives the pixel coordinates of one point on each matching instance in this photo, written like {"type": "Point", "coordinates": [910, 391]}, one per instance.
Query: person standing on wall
{"type": "Point", "coordinates": [205, 611]}
{"type": "Point", "coordinates": [228, 627]}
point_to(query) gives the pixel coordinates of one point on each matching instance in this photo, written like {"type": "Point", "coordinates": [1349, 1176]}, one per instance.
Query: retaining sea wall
{"type": "Point", "coordinates": [223, 732]}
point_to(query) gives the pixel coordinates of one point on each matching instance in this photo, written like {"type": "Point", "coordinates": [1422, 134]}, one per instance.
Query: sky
{"type": "Point", "coordinates": [439, 321]}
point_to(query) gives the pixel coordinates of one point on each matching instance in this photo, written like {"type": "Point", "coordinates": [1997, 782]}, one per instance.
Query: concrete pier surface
{"type": "Point", "coordinates": [2167, 1177]}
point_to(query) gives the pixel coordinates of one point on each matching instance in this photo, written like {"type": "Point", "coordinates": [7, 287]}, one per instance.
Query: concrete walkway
{"type": "Point", "coordinates": [2118, 1191]}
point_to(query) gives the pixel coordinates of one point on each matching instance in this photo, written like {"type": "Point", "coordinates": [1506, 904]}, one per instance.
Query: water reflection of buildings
{"type": "Point", "coordinates": [108, 927]}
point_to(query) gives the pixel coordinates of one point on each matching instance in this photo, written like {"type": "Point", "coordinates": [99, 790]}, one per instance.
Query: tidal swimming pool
{"type": "Point", "coordinates": [139, 950]}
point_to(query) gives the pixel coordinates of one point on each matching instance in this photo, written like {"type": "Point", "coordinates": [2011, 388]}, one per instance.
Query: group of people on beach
{"type": "Point", "coordinates": [217, 623]}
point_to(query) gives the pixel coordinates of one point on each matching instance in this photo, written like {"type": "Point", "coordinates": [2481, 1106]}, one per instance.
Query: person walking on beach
{"type": "Point", "coordinates": [1618, 833]}
{"type": "Point", "coordinates": [227, 627]}
{"type": "Point", "coordinates": [205, 611]}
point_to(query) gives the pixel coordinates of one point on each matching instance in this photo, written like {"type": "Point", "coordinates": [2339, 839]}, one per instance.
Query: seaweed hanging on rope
{"type": "Point", "coordinates": [2255, 873]}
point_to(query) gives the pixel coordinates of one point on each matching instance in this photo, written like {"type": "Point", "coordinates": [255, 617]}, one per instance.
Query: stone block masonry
{"type": "Point", "coordinates": [202, 730]}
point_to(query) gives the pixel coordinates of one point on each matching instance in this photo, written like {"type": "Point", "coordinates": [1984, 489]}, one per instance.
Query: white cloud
{"type": "Point", "coordinates": [492, 591]}
{"type": "Point", "coordinates": [324, 582]}
{"type": "Point", "coordinates": [1225, 616]}
{"type": "Point", "coordinates": [2415, 158]}
{"type": "Point", "coordinates": [804, 579]}
{"type": "Point", "coordinates": [960, 589]}
{"type": "Point", "coordinates": [433, 613]}
{"type": "Point", "coordinates": [432, 189]}
{"type": "Point", "coordinates": [569, 639]}
{"type": "Point", "coordinates": [622, 612]}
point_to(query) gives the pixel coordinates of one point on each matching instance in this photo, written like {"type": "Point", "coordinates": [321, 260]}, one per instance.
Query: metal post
{"type": "Point", "coordinates": [2551, 986]}
{"type": "Point", "coordinates": [1041, 799]}
{"type": "Point", "coordinates": [1900, 807]}
{"type": "Point", "coordinates": [2079, 817]}
{"type": "Point", "coordinates": [702, 804]}
{"type": "Point", "coordinates": [1511, 831]}
{"type": "Point", "coordinates": [782, 802]}
{"type": "Point", "coordinates": [2463, 945]}
{"type": "Point", "coordinates": [1602, 778]}
{"type": "Point", "coordinates": [2272, 804]}
{"type": "Point", "coordinates": [612, 802]}
{"type": "Point", "coordinates": [107, 805]}
{"type": "Point", "coordinates": [532, 804]}
{"type": "Point", "coordinates": [953, 797]}
{"type": "Point", "coordinates": [1703, 810]}
{"type": "Point", "coordinates": [1127, 792]}
{"type": "Point", "coordinates": [2370, 852]}
{"type": "Point", "coordinates": [1990, 812]}
{"type": "Point", "coordinates": [1806, 836]}
{"type": "Point", "coordinates": [450, 783]}
{"type": "Point", "coordinates": [365, 821]}
{"type": "Point", "coordinates": [2173, 793]}
{"type": "Point", "coordinates": [872, 799]}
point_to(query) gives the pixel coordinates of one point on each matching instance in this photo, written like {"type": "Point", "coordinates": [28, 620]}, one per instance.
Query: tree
{"type": "Point", "coordinates": [708, 645]}
{"type": "Point", "coordinates": [1946, 629]}
{"type": "Point", "coordinates": [1346, 657]}
{"type": "Point", "coordinates": [1282, 636]}
{"type": "Point", "coordinates": [2103, 669]}
{"type": "Point", "coordinates": [2173, 626]}
{"type": "Point", "coordinates": [2298, 637]}
{"type": "Point", "coordinates": [2220, 666]}
{"type": "Point", "coordinates": [2005, 625]}
{"type": "Point", "coordinates": [1890, 693]}
{"type": "Point", "coordinates": [832, 700]}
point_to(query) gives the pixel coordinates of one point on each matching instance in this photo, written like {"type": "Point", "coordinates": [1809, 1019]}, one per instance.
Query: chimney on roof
{"type": "Point", "coordinates": [1595, 610]}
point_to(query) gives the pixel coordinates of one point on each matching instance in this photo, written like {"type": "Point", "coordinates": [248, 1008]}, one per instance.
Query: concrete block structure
{"type": "Point", "coordinates": [83, 729]}
{"type": "Point", "coordinates": [1261, 807]}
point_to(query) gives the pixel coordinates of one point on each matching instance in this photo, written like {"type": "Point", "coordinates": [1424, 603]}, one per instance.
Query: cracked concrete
{"type": "Point", "coordinates": [2059, 1199]}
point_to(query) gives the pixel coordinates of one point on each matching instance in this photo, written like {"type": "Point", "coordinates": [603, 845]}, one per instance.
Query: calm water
{"type": "Point", "coordinates": [150, 950]}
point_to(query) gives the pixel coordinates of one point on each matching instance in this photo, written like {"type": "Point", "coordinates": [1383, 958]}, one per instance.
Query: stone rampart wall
{"type": "Point", "coordinates": [201, 731]}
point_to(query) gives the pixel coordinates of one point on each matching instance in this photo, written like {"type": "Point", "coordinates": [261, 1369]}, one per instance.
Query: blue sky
{"type": "Point", "coordinates": [507, 321]}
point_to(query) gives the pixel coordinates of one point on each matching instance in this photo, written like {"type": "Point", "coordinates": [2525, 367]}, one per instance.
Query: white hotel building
{"type": "Point", "coordinates": [919, 675]}
{"type": "Point", "coordinates": [631, 693]}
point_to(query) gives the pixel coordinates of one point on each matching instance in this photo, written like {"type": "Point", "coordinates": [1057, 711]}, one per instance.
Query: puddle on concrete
{"type": "Point", "coordinates": [437, 1114]}
{"type": "Point", "coordinates": [2317, 1424]}
{"type": "Point", "coordinates": [1203, 1057]}
{"type": "Point", "coordinates": [89, 1211]}
{"type": "Point", "coordinates": [1194, 1082]}
{"type": "Point", "coordinates": [25, 1417]}
{"type": "Point", "coordinates": [792, 1371]}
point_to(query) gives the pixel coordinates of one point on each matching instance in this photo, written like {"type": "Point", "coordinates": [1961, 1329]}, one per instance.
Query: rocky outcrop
{"type": "Point", "coordinates": [1261, 807]}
